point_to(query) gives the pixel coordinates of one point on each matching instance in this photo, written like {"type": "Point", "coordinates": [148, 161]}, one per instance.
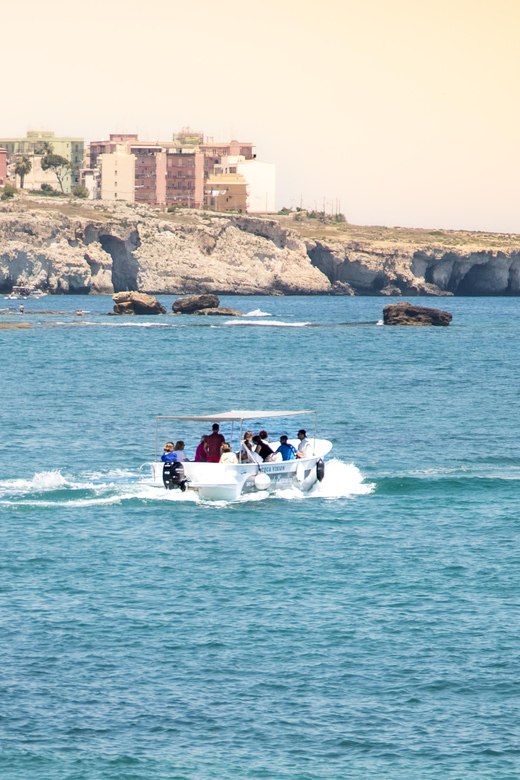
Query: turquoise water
{"type": "Point", "coordinates": [369, 630]}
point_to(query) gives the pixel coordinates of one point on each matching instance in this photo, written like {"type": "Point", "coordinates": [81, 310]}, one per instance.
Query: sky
{"type": "Point", "coordinates": [395, 112]}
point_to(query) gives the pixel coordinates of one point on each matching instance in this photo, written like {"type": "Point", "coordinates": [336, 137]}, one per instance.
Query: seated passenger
{"type": "Point", "coordinates": [227, 455]}
{"type": "Point", "coordinates": [248, 453]}
{"type": "Point", "coordinates": [245, 447]}
{"type": "Point", "coordinates": [262, 448]}
{"type": "Point", "coordinates": [287, 451]}
{"type": "Point", "coordinates": [179, 449]}
{"type": "Point", "coordinates": [169, 453]}
{"type": "Point", "coordinates": [200, 452]}
{"type": "Point", "coordinates": [265, 437]}
{"type": "Point", "coordinates": [304, 447]}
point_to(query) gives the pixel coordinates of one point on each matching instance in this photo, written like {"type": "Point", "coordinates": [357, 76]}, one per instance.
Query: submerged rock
{"type": "Point", "coordinates": [220, 310]}
{"type": "Point", "coordinates": [404, 313]}
{"type": "Point", "coordinates": [133, 302]}
{"type": "Point", "coordinates": [193, 303]}
{"type": "Point", "coordinates": [14, 325]}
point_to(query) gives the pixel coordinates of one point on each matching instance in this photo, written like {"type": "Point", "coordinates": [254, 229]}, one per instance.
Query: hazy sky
{"type": "Point", "coordinates": [406, 110]}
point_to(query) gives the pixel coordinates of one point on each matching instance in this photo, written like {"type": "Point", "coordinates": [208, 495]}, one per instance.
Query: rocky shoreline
{"type": "Point", "coordinates": [73, 247]}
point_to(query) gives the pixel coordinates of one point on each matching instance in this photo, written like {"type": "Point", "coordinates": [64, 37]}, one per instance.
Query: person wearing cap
{"type": "Point", "coordinates": [304, 447]}
{"type": "Point", "coordinates": [214, 442]}
{"type": "Point", "coordinates": [287, 451]}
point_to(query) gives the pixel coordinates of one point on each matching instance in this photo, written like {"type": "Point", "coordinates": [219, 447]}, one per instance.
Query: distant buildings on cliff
{"type": "Point", "coordinates": [189, 171]}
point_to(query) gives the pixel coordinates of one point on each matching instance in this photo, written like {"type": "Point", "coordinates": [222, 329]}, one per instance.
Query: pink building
{"type": "Point", "coordinates": [3, 167]}
{"type": "Point", "coordinates": [185, 177]}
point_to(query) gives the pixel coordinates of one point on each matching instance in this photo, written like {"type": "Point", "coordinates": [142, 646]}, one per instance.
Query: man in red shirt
{"type": "Point", "coordinates": [213, 444]}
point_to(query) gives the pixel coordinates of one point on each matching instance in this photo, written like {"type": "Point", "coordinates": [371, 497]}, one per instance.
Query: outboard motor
{"type": "Point", "coordinates": [174, 476]}
{"type": "Point", "coordinates": [320, 470]}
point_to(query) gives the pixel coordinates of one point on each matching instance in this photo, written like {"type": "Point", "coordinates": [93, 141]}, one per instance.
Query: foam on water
{"type": "Point", "coordinates": [115, 486]}
{"type": "Point", "coordinates": [257, 313]}
{"type": "Point", "coordinates": [270, 324]}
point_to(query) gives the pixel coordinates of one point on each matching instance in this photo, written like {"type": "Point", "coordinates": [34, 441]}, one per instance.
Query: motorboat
{"type": "Point", "coordinates": [229, 481]}
{"type": "Point", "coordinates": [24, 292]}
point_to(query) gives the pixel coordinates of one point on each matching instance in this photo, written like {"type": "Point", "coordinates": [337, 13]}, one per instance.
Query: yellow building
{"type": "Point", "coordinates": [226, 192]}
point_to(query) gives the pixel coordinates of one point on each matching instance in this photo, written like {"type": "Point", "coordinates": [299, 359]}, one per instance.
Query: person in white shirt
{"type": "Point", "coordinates": [304, 447]}
{"type": "Point", "coordinates": [179, 451]}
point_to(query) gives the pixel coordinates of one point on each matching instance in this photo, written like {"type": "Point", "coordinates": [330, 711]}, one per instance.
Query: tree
{"type": "Point", "coordinates": [79, 191]}
{"type": "Point", "coordinates": [9, 192]}
{"type": "Point", "coordinates": [22, 168]}
{"type": "Point", "coordinates": [56, 163]}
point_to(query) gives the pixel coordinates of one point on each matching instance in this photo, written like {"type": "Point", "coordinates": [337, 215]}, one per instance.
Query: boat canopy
{"type": "Point", "coordinates": [235, 415]}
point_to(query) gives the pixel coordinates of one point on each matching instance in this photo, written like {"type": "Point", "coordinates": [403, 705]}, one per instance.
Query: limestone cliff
{"type": "Point", "coordinates": [67, 246]}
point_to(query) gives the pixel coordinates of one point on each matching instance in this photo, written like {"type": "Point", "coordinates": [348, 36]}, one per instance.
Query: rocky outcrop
{"type": "Point", "coordinates": [133, 302]}
{"type": "Point", "coordinates": [194, 303]}
{"type": "Point", "coordinates": [404, 313]}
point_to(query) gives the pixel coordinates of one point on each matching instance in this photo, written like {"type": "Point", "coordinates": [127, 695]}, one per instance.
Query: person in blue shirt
{"type": "Point", "coordinates": [169, 453]}
{"type": "Point", "coordinates": [287, 450]}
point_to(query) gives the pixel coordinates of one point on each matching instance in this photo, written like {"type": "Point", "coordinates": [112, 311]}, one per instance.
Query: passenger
{"type": "Point", "coordinates": [262, 448]}
{"type": "Point", "coordinates": [304, 447]}
{"type": "Point", "coordinates": [265, 437]}
{"type": "Point", "coordinates": [213, 444]}
{"type": "Point", "coordinates": [169, 453]}
{"type": "Point", "coordinates": [249, 455]}
{"type": "Point", "coordinates": [200, 452]}
{"type": "Point", "coordinates": [287, 450]}
{"type": "Point", "coordinates": [245, 447]}
{"type": "Point", "coordinates": [179, 449]}
{"type": "Point", "coordinates": [227, 455]}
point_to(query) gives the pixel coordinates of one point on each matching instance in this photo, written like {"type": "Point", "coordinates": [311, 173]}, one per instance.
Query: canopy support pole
{"type": "Point", "coordinates": [156, 436]}
{"type": "Point", "coordinates": [315, 432]}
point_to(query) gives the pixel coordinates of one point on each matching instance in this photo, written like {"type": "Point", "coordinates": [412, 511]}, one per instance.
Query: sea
{"type": "Point", "coordinates": [367, 630]}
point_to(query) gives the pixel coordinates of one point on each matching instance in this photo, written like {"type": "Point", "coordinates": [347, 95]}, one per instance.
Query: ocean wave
{"type": "Point", "coordinates": [257, 313]}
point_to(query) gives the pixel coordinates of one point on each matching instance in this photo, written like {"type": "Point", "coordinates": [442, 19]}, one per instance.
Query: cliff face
{"type": "Point", "coordinates": [68, 247]}
{"type": "Point", "coordinates": [419, 270]}
{"type": "Point", "coordinates": [80, 249]}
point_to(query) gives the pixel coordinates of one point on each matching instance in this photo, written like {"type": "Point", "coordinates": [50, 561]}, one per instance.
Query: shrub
{"type": "Point", "coordinates": [285, 210]}
{"type": "Point", "coordinates": [47, 188]}
{"type": "Point", "coordinates": [79, 191]}
{"type": "Point", "coordinates": [9, 192]}
{"type": "Point", "coordinates": [172, 209]}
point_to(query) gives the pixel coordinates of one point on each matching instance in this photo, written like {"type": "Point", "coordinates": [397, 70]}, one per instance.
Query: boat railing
{"type": "Point", "coordinates": [149, 465]}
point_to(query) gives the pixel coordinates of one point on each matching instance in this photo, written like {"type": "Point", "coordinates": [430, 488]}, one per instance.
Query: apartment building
{"type": "Point", "coordinates": [117, 176]}
{"type": "Point", "coordinates": [175, 172]}
{"type": "Point", "coordinates": [185, 177]}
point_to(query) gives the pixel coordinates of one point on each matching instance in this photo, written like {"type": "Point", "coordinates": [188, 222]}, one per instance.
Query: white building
{"type": "Point", "coordinates": [117, 176]}
{"type": "Point", "coordinates": [260, 178]}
